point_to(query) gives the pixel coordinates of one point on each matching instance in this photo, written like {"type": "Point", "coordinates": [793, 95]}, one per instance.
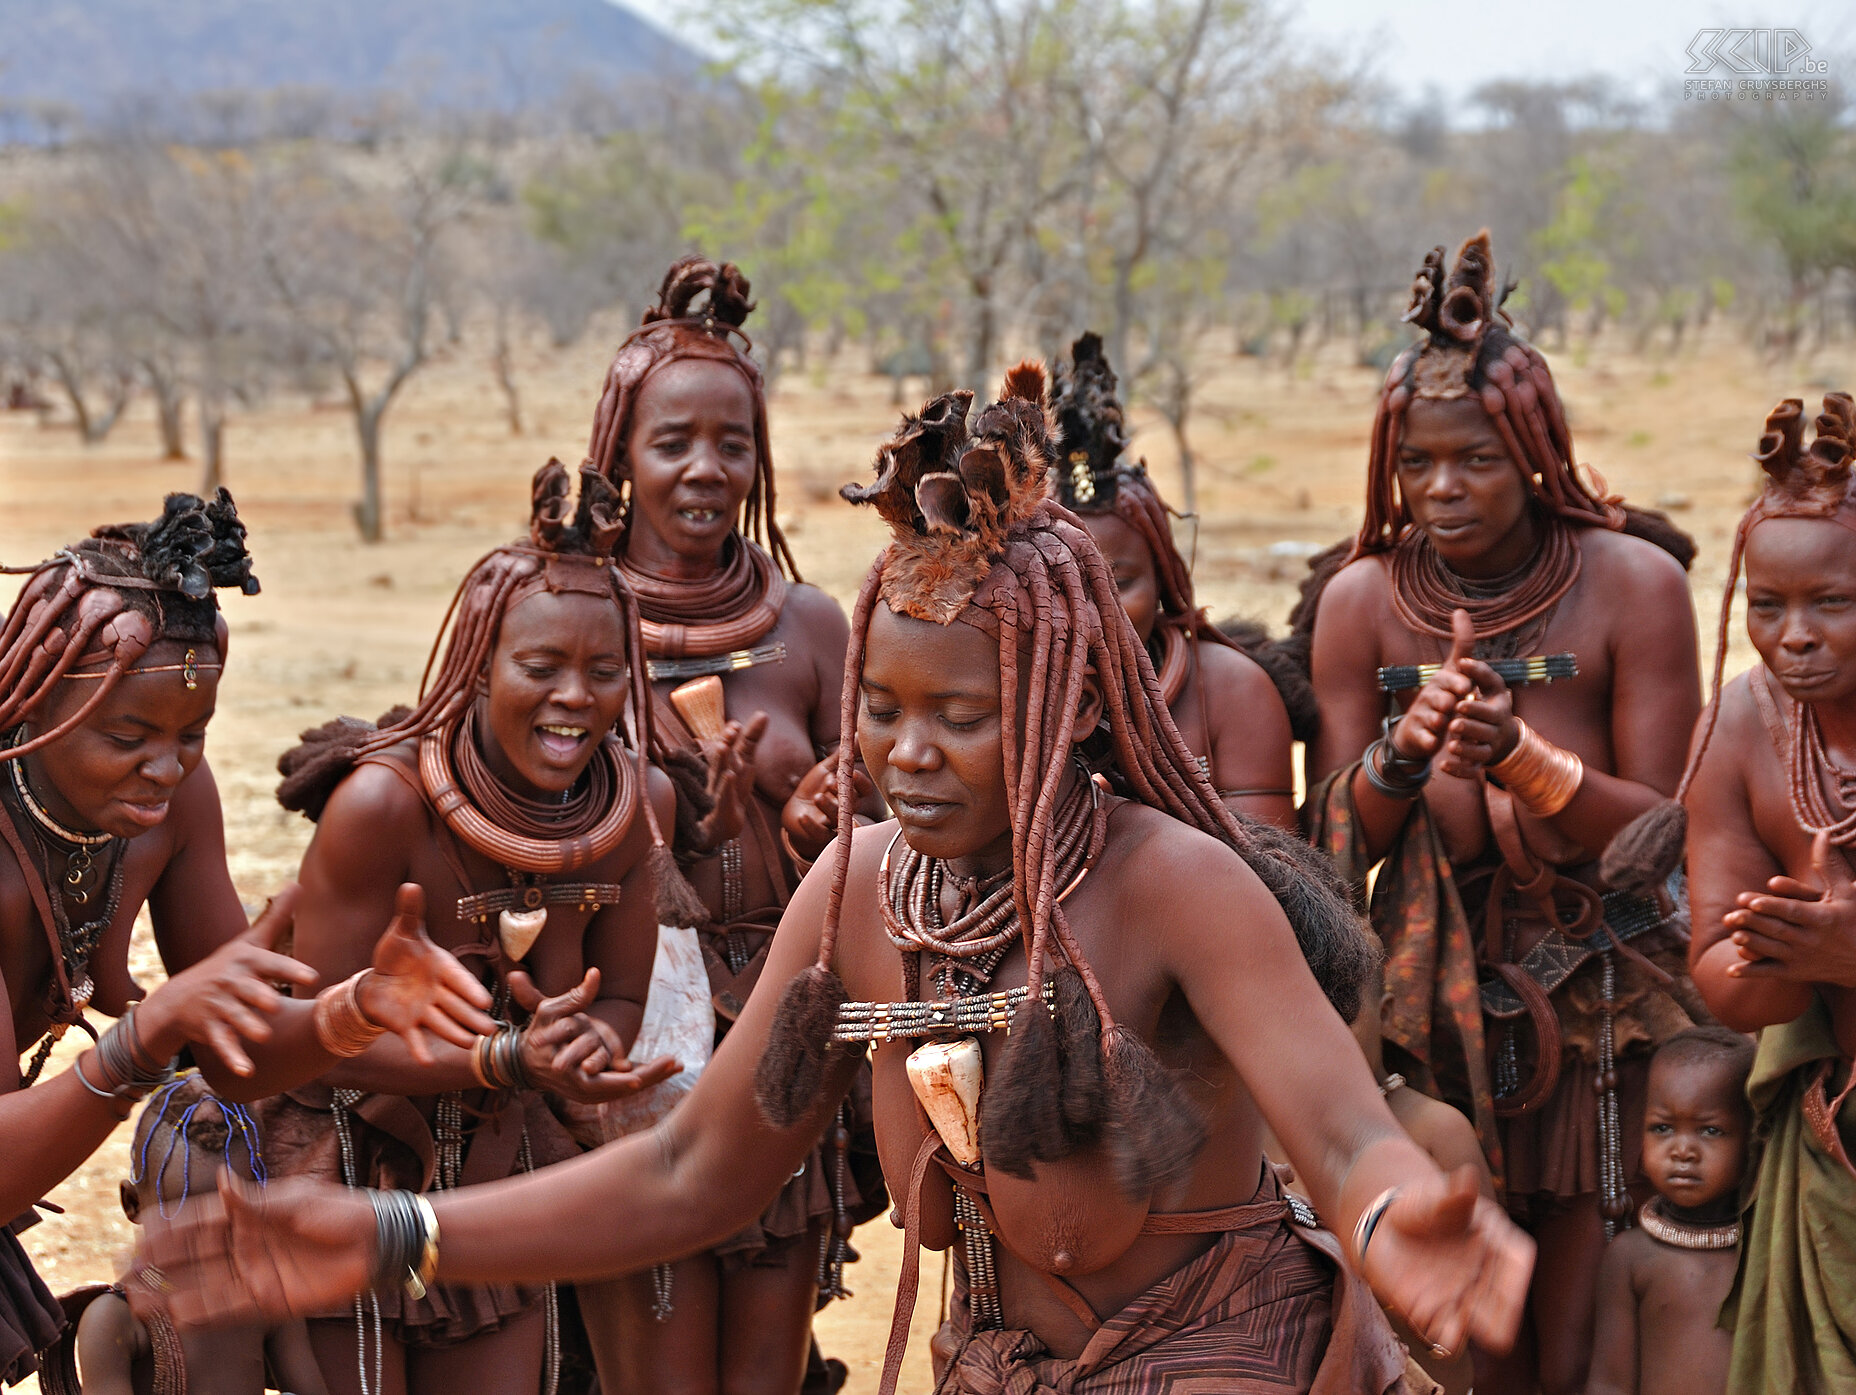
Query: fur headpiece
{"type": "Point", "coordinates": [950, 494]}
{"type": "Point", "coordinates": [1091, 429]}
{"type": "Point", "coordinates": [676, 328]}
{"type": "Point", "coordinates": [1800, 482]}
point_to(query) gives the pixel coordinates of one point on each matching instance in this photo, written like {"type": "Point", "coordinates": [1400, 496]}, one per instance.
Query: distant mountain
{"type": "Point", "coordinates": [98, 55]}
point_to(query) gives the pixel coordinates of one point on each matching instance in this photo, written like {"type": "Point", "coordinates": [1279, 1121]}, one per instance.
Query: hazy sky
{"type": "Point", "coordinates": [1454, 45]}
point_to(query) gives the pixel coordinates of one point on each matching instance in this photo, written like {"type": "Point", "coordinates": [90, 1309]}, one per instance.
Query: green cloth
{"type": "Point", "coordinates": [1430, 951]}
{"type": "Point", "coordinates": [1793, 1305]}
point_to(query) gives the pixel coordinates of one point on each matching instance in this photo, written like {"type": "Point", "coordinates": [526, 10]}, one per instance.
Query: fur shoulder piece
{"type": "Point", "coordinates": [322, 759]}
{"type": "Point", "coordinates": [1814, 480]}
{"type": "Point", "coordinates": [1091, 428]}
{"type": "Point", "coordinates": [951, 492]}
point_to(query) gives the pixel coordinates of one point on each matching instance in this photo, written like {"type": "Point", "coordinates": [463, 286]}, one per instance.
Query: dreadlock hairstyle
{"type": "Point", "coordinates": [1094, 476]}
{"type": "Point", "coordinates": [1798, 483]}
{"type": "Point", "coordinates": [675, 329]}
{"type": "Point", "coordinates": [105, 601]}
{"type": "Point", "coordinates": [1470, 349]}
{"type": "Point", "coordinates": [978, 539]}
{"type": "Point", "coordinates": [568, 549]}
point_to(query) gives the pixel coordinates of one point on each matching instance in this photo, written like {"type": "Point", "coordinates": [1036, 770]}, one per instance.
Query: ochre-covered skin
{"type": "Point", "coordinates": [683, 424]}
{"type": "Point", "coordinates": [1211, 980]}
{"type": "Point", "coordinates": [1487, 488]}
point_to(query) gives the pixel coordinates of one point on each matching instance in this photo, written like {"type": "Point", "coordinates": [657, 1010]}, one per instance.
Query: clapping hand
{"type": "Point", "coordinates": [1804, 934]}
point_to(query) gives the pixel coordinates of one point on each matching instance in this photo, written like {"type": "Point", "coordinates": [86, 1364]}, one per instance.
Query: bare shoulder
{"type": "Point", "coordinates": [809, 605]}
{"type": "Point", "coordinates": [1148, 848]}
{"type": "Point", "coordinates": [1739, 732]}
{"type": "Point", "coordinates": [373, 802]}
{"type": "Point", "coordinates": [1624, 566]}
{"type": "Point", "coordinates": [1438, 1128]}
{"type": "Point", "coordinates": [1359, 592]}
{"type": "Point", "coordinates": [1629, 1252]}
{"type": "Point", "coordinates": [1232, 674]}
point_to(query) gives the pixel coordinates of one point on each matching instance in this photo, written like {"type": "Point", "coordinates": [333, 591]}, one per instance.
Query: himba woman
{"type": "Point", "coordinates": [508, 795]}
{"type": "Point", "coordinates": [109, 674]}
{"type": "Point", "coordinates": [1771, 820]}
{"type": "Point", "coordinates": [1523, 993]}
{"type": "Point", "coordinates": [1224, 704]}
{"type": "Point", "coordinates": [1099, 1165]}
{"type": "Point", "coordinates": [681, 429]}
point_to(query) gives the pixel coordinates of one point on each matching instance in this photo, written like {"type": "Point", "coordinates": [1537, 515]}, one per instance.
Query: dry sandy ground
{"type": "Point", "coordinates": [343, 627]}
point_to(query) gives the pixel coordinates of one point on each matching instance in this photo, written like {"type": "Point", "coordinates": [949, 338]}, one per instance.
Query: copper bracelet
{"type": "Point", "coordinates": [804, 864]}
{"type": "Point", "coordinates": [1542, 777]}
{"type": "Point", "coordinates": [342, 1029]}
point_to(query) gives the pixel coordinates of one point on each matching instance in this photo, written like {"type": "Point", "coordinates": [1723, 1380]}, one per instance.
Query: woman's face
{"type": "Point", "coordinates": [692, 456]}
{"type": "Point", "coordinates": [117, 772]}
{"type": "Point", "coordinates": [930, 733]}
{"type": "Point", "coordinates": [1463, 488]}
{"type": "Point", "coordinates": [557, 685]}
{"type": "Point", "coordinates": [1136, 577]}
{"type": "Point", "coordinates": [1801, 605]}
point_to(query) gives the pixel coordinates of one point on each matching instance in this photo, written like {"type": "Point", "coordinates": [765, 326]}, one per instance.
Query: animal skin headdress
{"type": "Point", "coordinates": [1092, 430]}
{"type": "Point", "coordinates": [677, 328]}
{"type": "Point", "coordinates": [1470, 350]}
{"type": "Point", "coordinates": [1798, 482]}
{"type": "Point", "coordinates": [977, 539]}
{"type": "Point", "coordinates": [96, 608]}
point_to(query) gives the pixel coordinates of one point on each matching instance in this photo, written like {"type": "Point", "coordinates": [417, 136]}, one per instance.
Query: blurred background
{"type": "Point", "coordinates": [364, 262]}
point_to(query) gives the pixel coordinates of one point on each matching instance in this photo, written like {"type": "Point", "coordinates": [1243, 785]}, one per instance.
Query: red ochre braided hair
{"type": "Point", "coordinates": [569, 548]}
{"type": "Point", "coordinates": [978, 539]}
{"type": "Point", "coordinates": [105, 601]}
{"type": "Point", "coordinates": [674, 329]}
{"type": "Point", "coordinates": [1798, 483]}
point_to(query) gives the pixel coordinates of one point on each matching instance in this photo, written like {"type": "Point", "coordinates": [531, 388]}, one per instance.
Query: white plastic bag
{"type": "Point", "coordinates": [679, 1021]}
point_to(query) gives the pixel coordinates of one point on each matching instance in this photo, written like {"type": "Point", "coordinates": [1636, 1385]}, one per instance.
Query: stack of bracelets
{"type": "Point", "coordinates": [342, 1029]}
{"type": "Point", "coordinates": [122, 1061]}
{"type": "Point", "coordinates": [1394, 775]}
{"type": "Point", "coordinates": [406, 1241]}
{"type": "Point", "coordinates": [497, 1061]}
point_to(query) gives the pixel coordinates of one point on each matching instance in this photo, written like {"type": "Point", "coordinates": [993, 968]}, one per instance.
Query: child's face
{"type": "Point", "coordinates": [1694, 1132]}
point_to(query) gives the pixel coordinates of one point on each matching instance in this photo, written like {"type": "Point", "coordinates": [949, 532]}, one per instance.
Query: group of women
{"type": "Point", "coordinates": [641, 723]}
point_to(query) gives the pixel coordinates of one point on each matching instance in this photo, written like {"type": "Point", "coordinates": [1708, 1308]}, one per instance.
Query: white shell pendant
{"type": "Point", "coordinates": [518, 930]}
{"type": "Point", "coordinates": [946, 1076]}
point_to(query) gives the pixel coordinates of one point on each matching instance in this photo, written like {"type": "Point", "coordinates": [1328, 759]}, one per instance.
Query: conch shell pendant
{"type": "Point", "coordinates": [518, 930]}
{"type": "Point", "coordinates": [946, 1077]}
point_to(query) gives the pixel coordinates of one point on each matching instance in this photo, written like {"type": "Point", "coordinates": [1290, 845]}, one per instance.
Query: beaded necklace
{"type": "Point", "coordinates": [963, 955]}
{"type": "Point", "coordinates": [1685, 1235]}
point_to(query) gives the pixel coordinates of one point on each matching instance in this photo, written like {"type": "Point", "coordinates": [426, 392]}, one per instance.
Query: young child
{"type": "Point", "coordinates": [184, 1136]}
{"type": "Point", "coordinates": [1661, 1286]}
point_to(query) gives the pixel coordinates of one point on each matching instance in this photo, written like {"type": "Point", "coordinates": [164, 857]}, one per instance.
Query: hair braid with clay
{"type": "Point", "coordinates": [979, 540]}
{"type": "Point", "coordinates": [107, 600]}
{"type": "Point", "coordinates": [579, 538]}
{"type": "Point", "coordinates": [675, 328]}
{"type": "Point", "coordinates": [1798, 483]}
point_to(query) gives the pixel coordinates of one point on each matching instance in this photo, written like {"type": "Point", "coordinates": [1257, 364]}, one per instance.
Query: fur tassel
{"type": "Point", "coordinates": [1082, 1094]}
{"type": "Point", "coordinates": [1021, 1121]}
{"type": "Point", "coordinates": [677, 901]}
{"type": "Point", "coordinates": [1646, 850]}
{"type": "Point", "coordinates": [1158, 1129]}
{"type": "Point", "coordinates": [799, 1049]}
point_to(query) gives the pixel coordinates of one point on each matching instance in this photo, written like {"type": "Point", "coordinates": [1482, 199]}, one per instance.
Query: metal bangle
{"type": "Point", "coordinates": [1369, 1222]}
{"type": "Point", "coordinates": [84, 1080]}
{"type": "Point", "coordinates": [1397, 778]}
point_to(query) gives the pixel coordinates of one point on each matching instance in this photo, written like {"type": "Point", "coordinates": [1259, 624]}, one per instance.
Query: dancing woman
{"type": "Point", "coordinates": [508, 796]}
{"type": "Point", "coordinates": [109, 674]}
{"type": "Point", "coordinates": [682, 430]}
{"type": "Point", "coordinates": [1100, 1167]}
{"type": "Point", "coordinates": [1223, 702]}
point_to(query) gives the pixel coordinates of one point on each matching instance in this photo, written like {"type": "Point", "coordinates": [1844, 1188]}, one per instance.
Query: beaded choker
{"type": "Point", "coordinates": [1656, 1219]}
